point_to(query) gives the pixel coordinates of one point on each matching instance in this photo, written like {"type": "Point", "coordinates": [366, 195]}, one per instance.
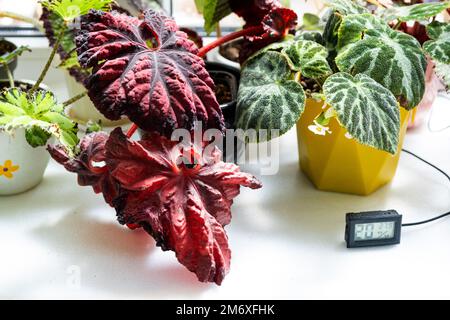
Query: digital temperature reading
{"type": "Point", "coordinates": [374, 228]}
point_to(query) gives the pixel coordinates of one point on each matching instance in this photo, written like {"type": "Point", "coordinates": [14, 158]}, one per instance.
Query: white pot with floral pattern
{"type": "Point", "coordinates": [21, 166]}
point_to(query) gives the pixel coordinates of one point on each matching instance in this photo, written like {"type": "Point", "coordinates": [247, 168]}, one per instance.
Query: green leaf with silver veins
{"type": "Point", "coordinates": [392, 58]}
{"type": "Point", "coordinates": [439, 45]}
{"type": "Point", "coordinates": [415, 12]}
{"type": "Point", "coordinates": [346, 6]}
{"type": "Point", "coordinates": [308, 57]}
{"type": "Point", "coordinates": [267, 98]}
{"type": "Point", "coordinates": [305, 56]}
{"type": "Point", "coordinates": [366, 109]}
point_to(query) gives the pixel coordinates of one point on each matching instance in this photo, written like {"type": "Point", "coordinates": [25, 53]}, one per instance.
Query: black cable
{"type": "Point", "coordinates": [441, 171]}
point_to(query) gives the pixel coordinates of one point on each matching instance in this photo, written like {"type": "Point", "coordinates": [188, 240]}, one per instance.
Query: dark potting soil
{"type": "Point", "coordinates": [19, 85]}
{"type": "Point", "coordinates": [223, 92]}
{"type": "Point", "coordinates": [310, 86]}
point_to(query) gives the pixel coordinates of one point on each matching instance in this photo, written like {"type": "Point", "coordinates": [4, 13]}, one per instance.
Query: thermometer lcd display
{"type": "Point", "coordinates": [374, 228]}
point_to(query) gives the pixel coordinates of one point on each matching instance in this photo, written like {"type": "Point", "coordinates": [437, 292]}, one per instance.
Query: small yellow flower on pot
{"type": "Point", "coordinates": [8, 169]}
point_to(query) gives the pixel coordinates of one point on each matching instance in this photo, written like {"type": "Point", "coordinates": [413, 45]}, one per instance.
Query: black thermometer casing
{"type": "Point", "coordinates": [372, 217]}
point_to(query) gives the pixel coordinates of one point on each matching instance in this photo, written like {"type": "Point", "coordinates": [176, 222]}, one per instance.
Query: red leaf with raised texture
{"type": "Point", "coordinates": [179, 196]}
{"type": "Point", "coordinates": [147, 70]}
{"type": "Point", "coordinates": [253, 11]}
{"type": "Point", "coordinates": [89, 164]}
{"type": "Point", "coordinates": [276, 24]}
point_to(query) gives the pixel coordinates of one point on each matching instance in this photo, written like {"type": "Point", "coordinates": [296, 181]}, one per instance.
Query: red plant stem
{"type": "Point", "coordinates": [132, 130]}
{"type": "Point", "coordinates": [241, 33]}
{"type": "Point", "coordinates": [251, 31]}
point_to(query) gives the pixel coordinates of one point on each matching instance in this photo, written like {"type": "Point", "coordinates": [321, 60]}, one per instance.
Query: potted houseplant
{"type": "Point", "coordinates": [147, 70]}
{"type": "Point", "coordinates": [266, 22]}
{"type": "Point", "coordinates": [235, 48]}
{"type": "Point", "coordinates": [83, 110]}
{"type": "Point", "coordinates": [412, 17]}
{"type": "Point", "coordinates": [350, 88]}
{"type": "Point", "coordinates": [29, 117]}
{"type": "Point", "coordinates": [236, 51]}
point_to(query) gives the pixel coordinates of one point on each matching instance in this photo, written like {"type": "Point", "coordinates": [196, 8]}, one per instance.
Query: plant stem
{"type": "Point", "coordinates": [377, 3]}
{"type": "Point", "coordinates": [132, 130]}
{"type": "Point", "coordinates": [241, 33]}
{"type": "Point", "coordinates": [74, 99]}
{"type": "Point", "coordinates": [10, 76]}
{"type": "Point", "coordinates": [18, 17]}
{"type": "Point", "coordinates": [397, 25]}
{"type": "Point", "coordinates": [50, 60]}
{"type": "Point", "coordinates": [219, 30]}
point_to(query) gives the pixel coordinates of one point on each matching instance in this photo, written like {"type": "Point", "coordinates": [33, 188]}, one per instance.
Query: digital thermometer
{"type": "Point", "coordinates": [373, 228]}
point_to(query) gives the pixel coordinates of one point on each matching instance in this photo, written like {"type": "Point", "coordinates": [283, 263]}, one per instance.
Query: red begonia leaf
{"type": "Point", "coordinates": [184, 206]}
{"type": "Point", "coordinates": [253, 11]}
{"type": "Point", "coordinates": [147, 70]}
{"type": "Point", "coordinates": [278, 23]}
{"type": "Point", "coordinates": [89, 164]}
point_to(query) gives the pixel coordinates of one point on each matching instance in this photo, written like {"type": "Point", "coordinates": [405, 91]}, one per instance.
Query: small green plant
{"type": "Point", "coordinates": [359, 64]}
{"type": "Point", "coordinates": [33, 108]}
{"type": "Point", "coordinates": [69, 10]}
{"type": "Point", "coordinates": [39, 114]}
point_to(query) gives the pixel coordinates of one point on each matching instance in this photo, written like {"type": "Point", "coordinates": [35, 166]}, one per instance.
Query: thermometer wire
{"type": "Point", "coordinates": [441, 171]}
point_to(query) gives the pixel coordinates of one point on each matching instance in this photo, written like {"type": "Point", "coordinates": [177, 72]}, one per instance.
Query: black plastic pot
{"type": "Point", "coordinates": [7, 47]}
{"type": "Point", "coordinates": [22, 84]}
{"type": "Point", "coordinates": [226, 75]}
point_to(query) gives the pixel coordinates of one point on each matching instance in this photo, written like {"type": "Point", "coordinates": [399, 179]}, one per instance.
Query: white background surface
{"type": "Point", "coordinates": [287, 238]}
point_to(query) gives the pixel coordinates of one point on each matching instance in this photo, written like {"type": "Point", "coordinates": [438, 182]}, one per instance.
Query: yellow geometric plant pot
{"type": "Point", "coordinates": [334, 162]}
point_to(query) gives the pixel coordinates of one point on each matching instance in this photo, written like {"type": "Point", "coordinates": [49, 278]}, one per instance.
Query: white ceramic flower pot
{"type": "Point", "coordinates": [215, 56]}
{"type": "Point", "coordinates": [21, 166]}
{"type": "Point", "coordinates": [84, 110]}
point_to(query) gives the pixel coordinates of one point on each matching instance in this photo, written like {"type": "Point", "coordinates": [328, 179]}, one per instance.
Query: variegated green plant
{"type": "Point", "coordinates": [439, 46]}
{"type": "Point", "coordinates": [415, 12]}
{"type": "Point", "coordinates": [308, 57]}
{"type": "Point", "coordinates": [425, 15]}
{"type": "Point", "coordinates": [39, 114]}
{"type": "Point", "coordinates": [393, 58]}
{"type": "Point", "coordinates": [270, 94]}
{"type": "Point", "coordinates": [366, 109]}
{"type": "Point", "coordinates": [346, 7]}
{"type": "Point", "coordinates": [269, 98]}
{"type": "Point", "coordinates": [361, 66]}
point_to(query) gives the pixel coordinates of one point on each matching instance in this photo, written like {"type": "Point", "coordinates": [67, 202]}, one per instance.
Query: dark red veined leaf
{"type": "Point", "coordinates": [89, 164]}
{"type": "Point", "coordinates": [276, 24]}
{"type": "Point", "coordinates": [279, 22]}
{"type": "Point", "coordinates": [179, 196]}
{"type": "Point", "coordinates": [253, 11]}
{"type": "Point", "coordinates": [147, 70]}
